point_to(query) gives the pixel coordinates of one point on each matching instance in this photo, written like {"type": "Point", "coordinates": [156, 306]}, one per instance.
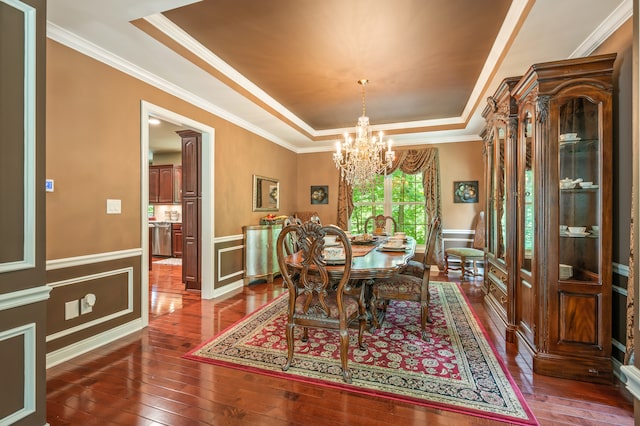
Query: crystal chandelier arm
{"type": "Point", "coordinates": [361, 158]}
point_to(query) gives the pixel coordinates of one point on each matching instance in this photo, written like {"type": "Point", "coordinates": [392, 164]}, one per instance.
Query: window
{"type": "Point", "coordinates": [398, 195]}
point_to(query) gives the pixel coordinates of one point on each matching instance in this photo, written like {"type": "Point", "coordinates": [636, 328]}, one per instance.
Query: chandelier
{"type": "Point", "coordinates": [361, 159]}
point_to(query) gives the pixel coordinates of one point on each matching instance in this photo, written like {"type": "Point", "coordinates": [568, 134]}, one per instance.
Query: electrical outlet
{"type": "Point", "coordinates": [86, 303]}
{"type": "Point", "coordinates": [71, 309]}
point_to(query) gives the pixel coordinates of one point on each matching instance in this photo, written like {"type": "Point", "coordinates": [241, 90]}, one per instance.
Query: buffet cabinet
{"type": "Point", "coordinates": [501, 115]}
{"type": "Point", "coordinates": [260, 255]}
{"type": "Point", "coordinates": [549, 229]}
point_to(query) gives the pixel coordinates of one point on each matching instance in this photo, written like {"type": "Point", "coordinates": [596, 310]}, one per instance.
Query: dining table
{"type": "Point", "coordinates": [371, 260]}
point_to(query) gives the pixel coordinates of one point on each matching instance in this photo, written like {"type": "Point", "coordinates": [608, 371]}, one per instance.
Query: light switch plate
{"type": "Point", "coordinates": [114, 206]}
{"type": "Point", "coordinates": [71, 310]}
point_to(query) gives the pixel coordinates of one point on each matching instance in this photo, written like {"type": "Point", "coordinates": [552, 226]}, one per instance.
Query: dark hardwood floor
{"type": "Point", "coordinates": [142, 379]}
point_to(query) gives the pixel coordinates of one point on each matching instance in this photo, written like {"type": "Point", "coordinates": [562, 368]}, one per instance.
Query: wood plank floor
{"type": "Point", "coordinates": [142, 379]}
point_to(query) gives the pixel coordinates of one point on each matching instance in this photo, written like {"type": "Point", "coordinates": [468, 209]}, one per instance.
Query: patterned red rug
{"type": "Point", "coordinates": [457, 369]}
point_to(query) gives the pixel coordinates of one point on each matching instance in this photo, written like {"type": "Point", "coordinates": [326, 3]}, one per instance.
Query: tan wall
{"type": "Point", "coordinates": [621, 42]}
{"type": "Point", "coordinates": [93, 153]}
{"type": "Point", "coordinates": [318, 169]}
{"type": "Point", "coordinates": [174, 158]}
{"type": "Point", "coordinates": [458, 162]}
{"type": "Point", "coordinates": [238, 158]}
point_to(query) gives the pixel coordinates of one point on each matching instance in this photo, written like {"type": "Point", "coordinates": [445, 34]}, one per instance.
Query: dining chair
{"type": "Point", "coordinates": [407, 287]}
{"type": "Point", "coordinates": [415, 267]}
{"type": "Point", "coordinates": [380, 223]}
{"type": "Point", "coordinates": [291, 241]}
{"type": "Point", "coordinates": [315, 299]}
{"type": "Point", "coordinates": [308, 216]}
{"type": "Point", "coordinates": [472, 254]}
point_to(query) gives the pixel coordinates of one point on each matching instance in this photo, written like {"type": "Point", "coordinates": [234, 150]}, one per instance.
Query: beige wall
{"type": "Point", "coordinates": [620, 42]}
{"type": "Point", "coordinates": [458, 162]}
{"type": "Point", "coordinates": [317, 169]}
{"type": "Point", "coordinates": [93, 153]}
{"type": "Point", "coordinates": [167, 158]}
{"type": "Point", "coordinates": [461, 161]}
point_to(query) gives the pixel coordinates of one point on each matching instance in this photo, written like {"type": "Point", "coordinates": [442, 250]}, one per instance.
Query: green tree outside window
{"type": "Point", "coordinates": [399, 195]}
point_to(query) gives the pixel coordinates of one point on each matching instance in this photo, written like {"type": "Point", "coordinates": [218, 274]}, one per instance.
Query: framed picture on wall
{"type": "Point", "coordinates": [465, 191]}
{"type": "Point", "coordinates": [320, 194]}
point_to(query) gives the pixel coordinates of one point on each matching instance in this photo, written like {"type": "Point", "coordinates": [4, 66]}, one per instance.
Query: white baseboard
{"type": "Point", "coordinates": [632, 375]}
{"type": "Point", "coordinates": [93, 342]}
{"type": "Point", "coordinates": [227, 289]}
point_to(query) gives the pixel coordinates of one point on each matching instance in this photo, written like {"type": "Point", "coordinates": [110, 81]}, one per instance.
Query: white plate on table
{"type": "Point", "coordinates": [392, 248]}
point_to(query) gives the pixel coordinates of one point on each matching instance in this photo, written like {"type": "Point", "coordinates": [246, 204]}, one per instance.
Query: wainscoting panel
{"type": "Point", "coordinates": [619, 315]}
{"type": "Point", "coordinates": [116, 284]}
{"type": "Point", "coordinates": [229, 268]}
{"type": "Point", "coordinates": [18, 372]}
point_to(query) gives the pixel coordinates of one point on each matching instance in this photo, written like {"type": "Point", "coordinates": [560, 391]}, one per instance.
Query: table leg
{"type": "Point", "coordinates": [375, 316]}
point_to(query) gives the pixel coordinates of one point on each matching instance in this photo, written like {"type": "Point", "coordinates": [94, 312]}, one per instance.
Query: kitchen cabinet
{"type": "Point", "coordinates": [191, 208]}
{"type": "Point", "coordinates": [260, 256]}
{"type": "Point", "coordinates": [165, 184]}
{"type": "Point", "coordinates": [176, 239]}
{"type": "Point", "coordinates": [562, 282]}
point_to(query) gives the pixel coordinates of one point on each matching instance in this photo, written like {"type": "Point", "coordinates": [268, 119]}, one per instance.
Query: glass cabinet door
{"type": "Point", "coordinates": [527, 196]}
{"type": "Point", "coordinates": [501, 194]}
{"type": "Point", "coordinates": [498, 194]}
{"type": "Point", "coordinates": [525, 280]}
{"type": "Point", "coordinates": [491, 203]}
{"type": "Point", "coordinates": [579, 190]}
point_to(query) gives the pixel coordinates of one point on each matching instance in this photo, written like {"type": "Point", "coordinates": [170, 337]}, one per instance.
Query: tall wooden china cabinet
{"type": "Point", "coordinates": [549, 242]}
{"type": "Point", "coordinates": [501, 114]}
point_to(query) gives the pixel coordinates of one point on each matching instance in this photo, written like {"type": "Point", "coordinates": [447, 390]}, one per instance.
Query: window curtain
{"type": "Point", "coordinates": [345, 203]}
{"type": "Point", "coordinates": [413, 161]}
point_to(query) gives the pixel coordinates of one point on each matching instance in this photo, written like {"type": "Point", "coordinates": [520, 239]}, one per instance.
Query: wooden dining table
{"type": "Point", "coordinates": [370, 262]}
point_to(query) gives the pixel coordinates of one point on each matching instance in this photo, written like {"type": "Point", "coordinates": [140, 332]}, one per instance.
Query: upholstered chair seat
{"type": "Point", "coordinates": [398, 284]}
{"type": "Point", "coordinates": [472, 254]}
{"type": "Point", "coordinates": [351, 306]}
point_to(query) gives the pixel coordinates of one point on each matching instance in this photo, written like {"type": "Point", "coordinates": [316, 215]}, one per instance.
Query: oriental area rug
{"type": "Point", "coordinates": [455, 369]}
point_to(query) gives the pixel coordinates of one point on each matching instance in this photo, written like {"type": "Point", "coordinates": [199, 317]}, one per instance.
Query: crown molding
{"type": "Point", "coordinates": [71, 40]}
{"type": "Point", "coordinates": [604, 30]}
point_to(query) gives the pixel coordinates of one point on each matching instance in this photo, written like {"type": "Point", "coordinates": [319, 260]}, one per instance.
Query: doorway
{"type": "Point", "coordinates": [149, 110]}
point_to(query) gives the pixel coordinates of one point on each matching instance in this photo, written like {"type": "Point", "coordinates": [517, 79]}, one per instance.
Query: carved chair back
{"type": "Point", "coordinates": [380, 223]}
{"type": "Point", "coordinates": [318, 298]}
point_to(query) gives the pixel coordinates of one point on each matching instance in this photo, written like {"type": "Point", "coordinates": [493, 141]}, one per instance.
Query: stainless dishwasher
{"type": "Point", "coordinates": [161, 239]}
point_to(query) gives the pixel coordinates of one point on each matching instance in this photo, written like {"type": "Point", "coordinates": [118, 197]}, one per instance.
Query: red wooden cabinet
{"type": "Point", "coordinates": [176, 239]}
{"type": "Point", "coordinates": [165, 184]}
